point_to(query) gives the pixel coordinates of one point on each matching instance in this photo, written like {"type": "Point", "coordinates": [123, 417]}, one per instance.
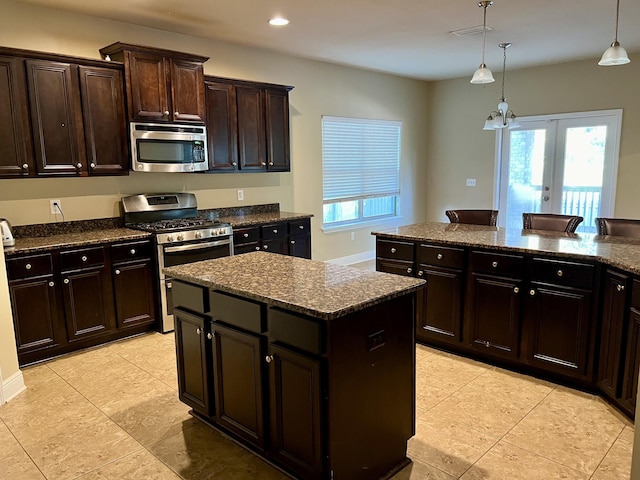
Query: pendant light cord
{"type": "Point", "coordinates": [484, 29]}
{"type": "Point", "coordinates": [617, 18]}
{"type": "Point", "coordinates": [504, 67]}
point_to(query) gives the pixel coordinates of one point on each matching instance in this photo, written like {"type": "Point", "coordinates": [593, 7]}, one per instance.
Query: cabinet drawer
{"type": "Point", "coordinates": [569, 274]}
{"type": "Point", "coordinates": [273, 231]}
{"type": "Point", "coordinates": [635, 295]}
{"type": "Point", "coordinates": [87, 257]}
{"type": "Point", "coordinates": [497, 264]}
{"type": "Point", "coordinates": [190, 297]}
{"type": "Point", "coordinates": [32, 266]}
{"type": "Point", "coordinates": [295, 330]}
{"type": "Point", "coordinates": [246, 235]}
{"type": "Point", "coordinates": [440, 256]}
{"type": "Point", "coordinates": [395, 250]}
{"type": "Point", "coordinates": [236, 311]}
{"type": "Point", "coordinates": [300, 227]}
{"type": "Point", "coordinates": [123, 252]}
{"type": "Point", "coordinates": [398, 267]}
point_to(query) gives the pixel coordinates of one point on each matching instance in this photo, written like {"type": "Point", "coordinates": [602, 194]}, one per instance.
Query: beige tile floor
{"type": "Point", "coordinates": [113, 413]}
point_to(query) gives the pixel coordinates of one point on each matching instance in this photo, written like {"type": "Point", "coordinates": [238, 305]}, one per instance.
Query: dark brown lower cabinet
{"type": "Point", "coordinates": [193, 348]}
{"type": "Point", "coordinates": [632, 364]}
{"type": "Point", "coordinates": [296, 419]}
{"type": "Point", "coordinates": [439, 311]}
{"type": "Point", "coordinates": [237, 362]}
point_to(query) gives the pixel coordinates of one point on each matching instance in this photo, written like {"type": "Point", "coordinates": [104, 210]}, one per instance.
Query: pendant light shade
{"type": "Point", "coordinates": [502, 117]}
{"type": "Point", "coordinates": [483, 74]}
{"type": "Point", "coordinates": [615, 54]}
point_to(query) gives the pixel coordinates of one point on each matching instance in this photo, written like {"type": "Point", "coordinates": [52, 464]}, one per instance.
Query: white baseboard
{"type": "Point", "coordinates": [357, 258]}
{"type": "Point", "coordinates": [12, 387]}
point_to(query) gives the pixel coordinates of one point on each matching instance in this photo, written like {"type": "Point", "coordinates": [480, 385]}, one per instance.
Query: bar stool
{"type": "Point", "coordinates": [551, 222]}
{"type": "Point", "coordinates": [473, 217]}
{"type": "Point", "coordinates": [622, 227]}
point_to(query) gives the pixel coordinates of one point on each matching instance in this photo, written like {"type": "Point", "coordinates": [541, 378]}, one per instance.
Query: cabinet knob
{"type": "Point", "coordinates": [264, 163]}
{"type": "Point", "coordinates": [269, 358]}
{"type": "Point", "coordinates": [176, 114]}
{"type": "Point", "coordinates": [275, 230]}
{"type": "Point", "coordinates": [66, 281]}
{"type": "Point", "coordinates": [166, 112]}
{"type": "Point", "coordinates": [258, 248]}
{"type": "Point", "coordinates": [271, 164]}
{"type": "Point", "coordinates": [198, 331]}
{"type": "Point", "coordinates": [78, 165]}
{"type": "Point", "coordinates": [92, 165]}
{"type": "Point", "coordinates": [439, 256]}
{"type": "Point", "coordinates": [393, 250]}
{"type": "Point", "coordinates": [409, 270]}
{"type": "Point", "coordinates": [301, 227]}
{"type": "Point", "coordinates": [84, 258]}
{"type": "Point", "coordinates": [28, 266]}
{"type": "Point", "coordinates": [560, 273]}
{"type": "Point", "coordinates": [25, 166]}
{"type": "Point", "coordinates": [62, 125]}
{"type": "Point", "coordinates": [494, 264]}
{"type": "Point", "coordinates": [51, 284]}
{"type": "Point", "coordinates": [235, 164]}
{"type": "Point", "coordinates": [265, 247]}
{"type": "Point", "coordinates": [516, 290]}
{"type": "Point", "coordinates": [132, 251]}
{"type": "Point", "coordinates": [532, 292]}
{"type": "Point", "coordinates": [293, 242]}
{"type": "Point", "coordinates": [209, 336]}
{"type": "Point", "coordinates": [117, 271]}
{"type": "Point", "coordinates": [620, 288]}
{"type": "Point", "coordinates": [420, 273]}
{"type": "Point", "coordinates": [245, 235]}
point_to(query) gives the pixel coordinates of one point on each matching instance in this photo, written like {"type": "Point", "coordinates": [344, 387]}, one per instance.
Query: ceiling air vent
{"type": "Point", "coordinates": [463, 32]}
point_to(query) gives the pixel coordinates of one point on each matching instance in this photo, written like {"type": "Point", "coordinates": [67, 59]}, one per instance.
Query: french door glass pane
{"type": "Point", "coordinates": [583, 173]}
{"type": "Point", "coordinates": [526, 168]}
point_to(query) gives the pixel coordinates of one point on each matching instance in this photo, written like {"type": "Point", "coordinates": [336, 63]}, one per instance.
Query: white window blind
{"type": "Point", "coordinates": [360, 158]}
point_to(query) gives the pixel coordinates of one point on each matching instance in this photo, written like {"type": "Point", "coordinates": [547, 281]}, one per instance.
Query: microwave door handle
{"type": "Point", "coordinates": [196, 246]}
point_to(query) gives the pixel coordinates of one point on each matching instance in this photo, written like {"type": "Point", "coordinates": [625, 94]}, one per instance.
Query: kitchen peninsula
{"type": "Point", "coordinates": [560, 306]}
{"type": "Point", "coordinates": [308, 364]}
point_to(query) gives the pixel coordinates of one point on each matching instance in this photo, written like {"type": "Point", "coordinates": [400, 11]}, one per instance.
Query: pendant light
{"type": "Point", "coordinates": [503, 117]}
{"type": "Point", "coordinates": [483, 74]}
{"type": "Point", "coordinates": [615, 54]}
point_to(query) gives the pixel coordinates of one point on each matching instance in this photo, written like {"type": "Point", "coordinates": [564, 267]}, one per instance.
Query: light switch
{"type": "Point", "coordinates": [471, 182]}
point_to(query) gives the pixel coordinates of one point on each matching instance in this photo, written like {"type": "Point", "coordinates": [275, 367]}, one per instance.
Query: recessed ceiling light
{"type": "Point", "coordinates": [278, 22]}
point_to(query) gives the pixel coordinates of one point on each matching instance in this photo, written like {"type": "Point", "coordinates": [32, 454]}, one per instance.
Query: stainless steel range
{"type": "Point", "coordinates": [181, 236]}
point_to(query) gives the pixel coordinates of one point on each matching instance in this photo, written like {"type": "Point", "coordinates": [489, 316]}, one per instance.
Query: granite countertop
{"type": "Point", "coordinates": [75, 239]}
{"type": "Point", "coordinates": [621, 252]}
{"type": "Point", "coordinates": [309, 287]}
{"type": "Point", "coordinates": [238, 221]}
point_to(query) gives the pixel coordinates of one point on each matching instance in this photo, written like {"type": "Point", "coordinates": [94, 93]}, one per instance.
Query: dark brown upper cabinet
{"type": "Point", "coordinates": [16, 146]}
{"type": "Point", "coordinates": [248, 125]}
{"type": "Point", "coordinates": [162, 85]}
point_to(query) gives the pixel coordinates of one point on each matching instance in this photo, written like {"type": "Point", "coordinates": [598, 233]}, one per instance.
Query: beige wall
{"type": "Point", "coordinates": [8, 355]}
{"type": "Point", "coordinates": [459, 148]}
{"type": "Point", "coordinates": [320, 89]}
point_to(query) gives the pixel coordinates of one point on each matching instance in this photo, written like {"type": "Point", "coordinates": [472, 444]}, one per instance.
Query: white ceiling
{"type": "Point", "coordinates": [405, 37]}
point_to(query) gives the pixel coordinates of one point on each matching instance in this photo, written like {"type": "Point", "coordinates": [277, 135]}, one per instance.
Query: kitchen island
{"type": "Point", "coordinates": [560, 306]}
{"type": "Point", "coordinates": [309, 365]}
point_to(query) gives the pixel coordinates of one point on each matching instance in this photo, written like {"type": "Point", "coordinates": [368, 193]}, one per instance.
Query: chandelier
{"type": "Point", "coordinates": [503, 117]}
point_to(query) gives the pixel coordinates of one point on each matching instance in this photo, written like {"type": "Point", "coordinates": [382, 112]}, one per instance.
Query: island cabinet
{"type": "Point", "coordinates": [162, 85]}
{"type": "Point", "coordinates": [632, 354]}
{"type": "Point", "coordinates": [321, 399]}
{"type": "Point", "coordinates": [439, 313]}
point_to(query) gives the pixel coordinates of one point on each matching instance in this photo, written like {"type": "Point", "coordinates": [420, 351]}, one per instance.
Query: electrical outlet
{"type": "Point", "coordinates": [353, 235]}
{"type": "Point", "coordinates": [471, 182]}
{"type": "Point", "coordinates": [240, 195]}
{"type": "Point", "coordinates": [53, 208]}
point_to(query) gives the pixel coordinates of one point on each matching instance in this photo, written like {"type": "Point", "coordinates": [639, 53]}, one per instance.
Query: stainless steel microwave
{"type": "Point", "coordinates": [159, 147]}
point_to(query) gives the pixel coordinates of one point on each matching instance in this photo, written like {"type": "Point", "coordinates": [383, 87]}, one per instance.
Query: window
{"type": "Point", "coordinates": [360, 170]}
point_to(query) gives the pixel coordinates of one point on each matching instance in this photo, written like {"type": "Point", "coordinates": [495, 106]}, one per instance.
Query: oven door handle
{"type": "Point", "coordinates": [196, 246]}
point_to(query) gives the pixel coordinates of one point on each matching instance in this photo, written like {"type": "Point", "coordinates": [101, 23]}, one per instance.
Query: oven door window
{"type": "Point", "coordinates": [170, 151]}
{"type": "Point", "coordinates": [194, 252]}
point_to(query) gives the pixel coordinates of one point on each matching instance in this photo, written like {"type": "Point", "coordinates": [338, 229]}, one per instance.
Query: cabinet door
{"type": "Point", "coordinates": [222, 130]}
{"type": "Point", "coordinates": [614, 308]}
{"type": "Point", "coordinates": [494, 315]}
{"type": "Point", "coordinates": [16, 150]}
{"type": "Point", "coordinates": [632, 364]}
{"type": "Point", "coordinates": [148, 97]}
{"type": "Point", "coordinates": [193, 353]}
{"type": "Point", "coordinates": [88, 301]}
{"type": "Point", "coordinates": [56, 117]}
{"type": "Point", "coordinates": [439, 308]}
{"type": "Point", "coordinates": [300, 246]}
{"type": "Point", "coordinates": [252, 149]}
{"type": "Point", "coordinates": [295, 416]}
{"type": "Point", "coordinates": [105, 128]}
{"type": "Point", "coordinates": [277, 129]}
{"type": "Point", "coordinates": [36, 314]}
{"type": "Point", "coordinates": [133, 288]}
{"type": "Point", "coordinates": [237, 360]}
{"type": "Point", "coordinates": [187, 91]}
{"type": "Point", "coordinates": [557, 325]}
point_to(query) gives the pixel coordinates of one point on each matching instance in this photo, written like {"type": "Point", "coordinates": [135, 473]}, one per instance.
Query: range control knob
{"type": "Point", "coordinates": [198, 234]}
{"type": "Point", "coordinates": [169, 238]}
{"type": "Point", "coordinates": [180, 237]}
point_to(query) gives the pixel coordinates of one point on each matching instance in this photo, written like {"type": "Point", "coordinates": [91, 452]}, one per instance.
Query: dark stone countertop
{"type": "Point", "coordinates": [620, 252]}
{"type": "Point", "coordinates": [309, 287]}
{"type": "Point", "coordinates": [239, 221]}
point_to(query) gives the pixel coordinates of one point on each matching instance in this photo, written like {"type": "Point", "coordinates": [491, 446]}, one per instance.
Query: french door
{"type": "Point", "coordinates": [564, 164]}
